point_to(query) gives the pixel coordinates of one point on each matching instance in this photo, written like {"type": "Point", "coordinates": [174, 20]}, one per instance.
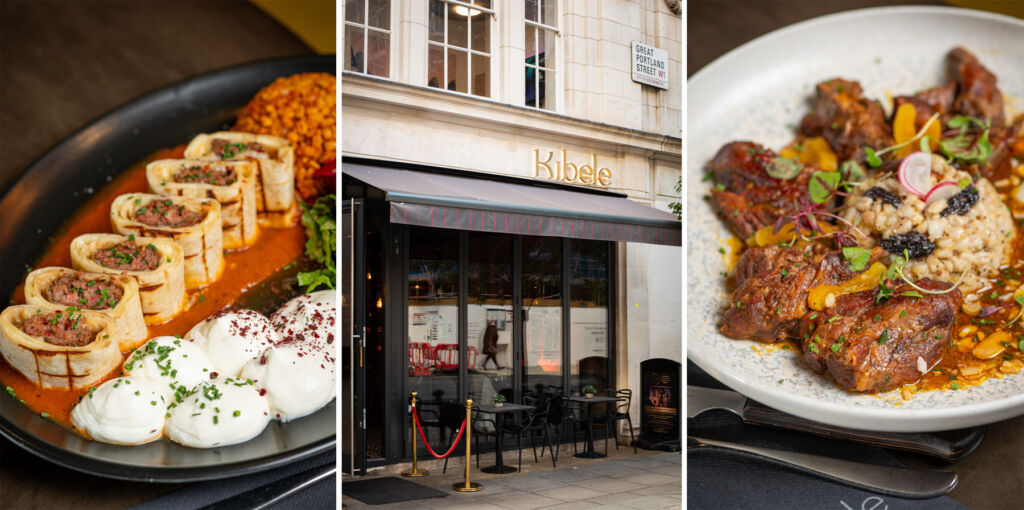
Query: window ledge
{"type": "Point", "coordinates": [358, 88]}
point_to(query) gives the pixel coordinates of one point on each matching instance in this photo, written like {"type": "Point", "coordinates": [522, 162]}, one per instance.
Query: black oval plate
{"type": "Point", "coordinates": [61, 181]}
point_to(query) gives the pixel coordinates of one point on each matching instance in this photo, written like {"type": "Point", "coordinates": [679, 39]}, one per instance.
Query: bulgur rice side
{"type": "Point", "coordinates": [978, 241]}
{"type": "Point", "coordinates": [301, 109]}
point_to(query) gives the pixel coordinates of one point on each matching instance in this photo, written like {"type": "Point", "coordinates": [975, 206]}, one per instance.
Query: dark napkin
{"type": "Point", "coordinates": [720, 479]}
{"type": "Point", "coordinates": [320, 495]}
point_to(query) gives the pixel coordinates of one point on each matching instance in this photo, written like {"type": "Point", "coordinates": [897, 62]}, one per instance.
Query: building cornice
{"type": "Point", "coordinates": [390, 97]}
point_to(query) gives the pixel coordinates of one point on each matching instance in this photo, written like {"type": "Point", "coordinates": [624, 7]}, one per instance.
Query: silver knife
{"type": "Point", "coordinates": [949, 446]}
{"type": "Point", "coordinates": [893, 481]}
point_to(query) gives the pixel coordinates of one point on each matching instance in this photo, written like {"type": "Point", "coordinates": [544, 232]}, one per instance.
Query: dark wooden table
{"type": "Point", "coordinates": [499, 435]}
{"type": "Point", "coordinates": [589, 452]}
{"type": "Point", "coordinates": [991, 477]}
{"type": "Point", "coordinates": [63, 64]}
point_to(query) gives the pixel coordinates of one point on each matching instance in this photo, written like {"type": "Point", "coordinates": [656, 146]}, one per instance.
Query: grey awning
{"type": "Point", "coordinates": [471, 203]}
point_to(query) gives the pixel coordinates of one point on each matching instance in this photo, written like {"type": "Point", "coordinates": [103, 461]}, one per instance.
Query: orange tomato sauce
{"type": "Point", "coordinates": [273, 250]}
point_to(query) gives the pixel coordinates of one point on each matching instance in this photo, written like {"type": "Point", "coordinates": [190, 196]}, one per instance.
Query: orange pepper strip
{"type": "Point", "coordinates": [904, 128]}
{"type": "Point", "coordinates": [813, 151]}
{"type": "Point", "coordinates": [818, 297]}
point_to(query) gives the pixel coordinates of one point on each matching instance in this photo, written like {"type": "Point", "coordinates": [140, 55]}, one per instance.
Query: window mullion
{"type": "Point", "coordinates": [469, 54]}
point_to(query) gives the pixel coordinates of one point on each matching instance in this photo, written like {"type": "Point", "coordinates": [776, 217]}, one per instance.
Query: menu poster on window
{"type": "Point", "coordinates": [589, 332]}
{"type": "Point", "coordinates": [433, 324]}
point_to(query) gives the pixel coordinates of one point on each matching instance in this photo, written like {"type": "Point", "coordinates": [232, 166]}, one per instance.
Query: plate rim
{"type": "Point", "coordinates": [891, 419]}
{"type": "Point", "coordinates": [143, 473]}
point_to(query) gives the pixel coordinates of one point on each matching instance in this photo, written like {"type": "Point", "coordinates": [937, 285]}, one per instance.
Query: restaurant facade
{"type": "Point", "coordinates": [508, 172]}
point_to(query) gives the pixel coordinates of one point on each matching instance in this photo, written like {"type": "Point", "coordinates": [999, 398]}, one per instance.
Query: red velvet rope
{"type": "Point", "coordinates": [462, 429]}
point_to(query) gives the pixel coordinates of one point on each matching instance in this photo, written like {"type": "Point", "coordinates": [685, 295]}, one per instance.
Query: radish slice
{"type": "Point", "coordinates": [941, 191]}
{"type": "Point", "coordinates": [916, 173]}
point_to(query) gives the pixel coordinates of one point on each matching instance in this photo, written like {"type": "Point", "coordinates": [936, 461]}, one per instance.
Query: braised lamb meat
{"type": "Point", "coordinates": [64, 328]}
{"type": "Point", "coordinates": [874, 347]}
{"type": "Point", "coordinates": [747, 197]}
{"type": "Point", "coordinates": [772, 284]}
{"type": "Point", "coordinates": [847, 119]}
{"type": "Point", "coordinates": [929, 102]}
{"type": "Point", "coordinates": [977, 94]}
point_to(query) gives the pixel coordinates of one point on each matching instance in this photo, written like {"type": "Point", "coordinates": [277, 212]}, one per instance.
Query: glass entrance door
{"type": "Point", "coordinates": [353, 371]}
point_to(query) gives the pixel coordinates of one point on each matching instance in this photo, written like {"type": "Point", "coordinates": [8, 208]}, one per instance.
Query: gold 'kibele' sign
{"type": "Point", "coordinates": [565, 171]}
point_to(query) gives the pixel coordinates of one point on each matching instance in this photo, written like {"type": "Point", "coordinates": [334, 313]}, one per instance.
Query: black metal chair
{"type": "Point", "coordinates": [617, 413]}
{"type": "Point", "coordinates": [536, 421]}
{"type": "Point", "coordinates": [558, 420]}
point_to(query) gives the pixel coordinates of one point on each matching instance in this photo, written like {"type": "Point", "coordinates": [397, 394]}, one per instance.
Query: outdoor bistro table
{"type": "Point", "coordinates": [588, 452]}
{"type": "Point", "coordinates": [499, 434]}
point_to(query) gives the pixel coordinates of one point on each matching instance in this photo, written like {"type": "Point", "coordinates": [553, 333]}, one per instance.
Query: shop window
{"type": "Point", "coordinates": [542, 313]}
{"type": "Point", "coordinates": [588, 314]}
{"type": "Point", "coordinates": [434, 314]}
{"type": "Point", "coordinates": [459, 46]}
{"type": "Point", "coordinates": [489, 318]}
{"type": "Point", "coordinates": [541, 43]}
{"type": "Point", "coordinates": [368, 37]}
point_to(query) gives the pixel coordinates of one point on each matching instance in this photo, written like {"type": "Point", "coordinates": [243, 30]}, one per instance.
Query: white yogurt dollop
{"type": "Point", "coordinates": [232, 337]}
{"type": "Point", "coordinates": [296, 382]}
{"type": "Point", "coordinates": [309, 320]}
{"type": "Point", "coordinates": [170, 363]}
{"type": "Point", "coordinates": [125, 410]}
{"type": "Point", "coordinates": [221, 412]}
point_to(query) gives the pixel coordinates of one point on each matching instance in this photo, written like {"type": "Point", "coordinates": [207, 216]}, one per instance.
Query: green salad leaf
{"type": "Point", "coordinates": [321, 231]}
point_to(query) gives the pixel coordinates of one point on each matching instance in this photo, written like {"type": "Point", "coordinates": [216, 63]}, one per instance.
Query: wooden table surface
{"type": "Point", "coordinates": [991, 477]}
{"type": "Point", "coordinates": [63, 64]}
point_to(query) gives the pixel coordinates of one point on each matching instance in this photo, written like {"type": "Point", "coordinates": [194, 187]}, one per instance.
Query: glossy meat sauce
{"type": "Point", "coordinates": [244, 270]}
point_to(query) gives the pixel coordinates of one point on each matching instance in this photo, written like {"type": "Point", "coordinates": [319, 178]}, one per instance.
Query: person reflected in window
{"type": "Point", "coordinates": [490, 345]}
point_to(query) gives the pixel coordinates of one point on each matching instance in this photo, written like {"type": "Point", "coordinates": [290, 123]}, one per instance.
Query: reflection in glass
{"type": "Point", "coordinates": [436, 21]}
{"type": "Point", "coordinates": [354, 11]}
{"type": "Point", "coordinates": [377, 50]}
{"type": "Point", "coordinates": [489, 316]}
{"type": "Point", "coordinates": [435, 66]}
{"type": "Point", "coordinates": [458, 29]}
{"type": "Point", "coordinates": [549, 10]}
{"type": "Point", "coordinates": [588, 314]}
{"type": "Point", "coordinates": [531, 11]}
{"type": "Point", "coordinates": [380, 14]}
{"type": "Point", "coordinates": [481, 32]}
{"type": "Point", "coordinates": [434, 314]}
{"type": "Point", "coordinates": [542, 313]}
{"type": "Point", "coordinates": [354, 41]}
{"type": "Point", "coordinates": [458, 71]}
{"type": "Point", "coordinates": [481, 75]}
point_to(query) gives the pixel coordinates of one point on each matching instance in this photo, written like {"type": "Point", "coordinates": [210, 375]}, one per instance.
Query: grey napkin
{"type": "Point", "coordinates": [718, 479]}
{"type": "Point", "coordinates": [322, 495]}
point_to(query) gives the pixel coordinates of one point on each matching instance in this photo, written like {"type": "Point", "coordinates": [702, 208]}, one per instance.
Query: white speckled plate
{"type": "Point", "coordinates": [753, 93]}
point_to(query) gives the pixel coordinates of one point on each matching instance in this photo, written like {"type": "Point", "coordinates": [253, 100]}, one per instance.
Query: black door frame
{"type": "Point", "coordinates": [356, 461]}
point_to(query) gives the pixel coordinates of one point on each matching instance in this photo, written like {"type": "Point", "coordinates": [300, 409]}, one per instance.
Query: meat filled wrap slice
{"type": "Point", "coordinates": [60, 288]}
{"type": "Point", "coordinates": [275, 169]}
{"type": "Point", "coordinates": [58, 348]}
{"type": "Point", "coordinates": [232, 183]}
{"type": "Point", "coordinates": [194, 223]}
{"type": "Point", "coordinates": [156, 263]}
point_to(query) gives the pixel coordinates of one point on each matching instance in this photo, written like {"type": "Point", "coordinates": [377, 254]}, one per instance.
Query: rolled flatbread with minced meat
{"type": "Point", "coordinates": [157, 263]}
{"type": "Point", "coordinates": [275, 172]}
{"type": "Point", "coordinates": [232, 183]}
{"type": "Point", "coordinates": [58, 348]}
{"type": "Point", "coordinates": [116, 296]}
{"type": "Point", "coordinates": [194, 223]}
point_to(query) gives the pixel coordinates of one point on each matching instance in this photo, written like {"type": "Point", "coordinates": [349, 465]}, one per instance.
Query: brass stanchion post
{"type": "Point", "coordinates": [468, 486]}
{"type": "Point", "coordinates": [412, 435]}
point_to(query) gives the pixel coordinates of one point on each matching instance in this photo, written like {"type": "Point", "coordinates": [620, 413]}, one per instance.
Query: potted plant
{"type": "Point", "coordinates": [589, 391]}
{"type": "Point", "coordinates": [498, 400]}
